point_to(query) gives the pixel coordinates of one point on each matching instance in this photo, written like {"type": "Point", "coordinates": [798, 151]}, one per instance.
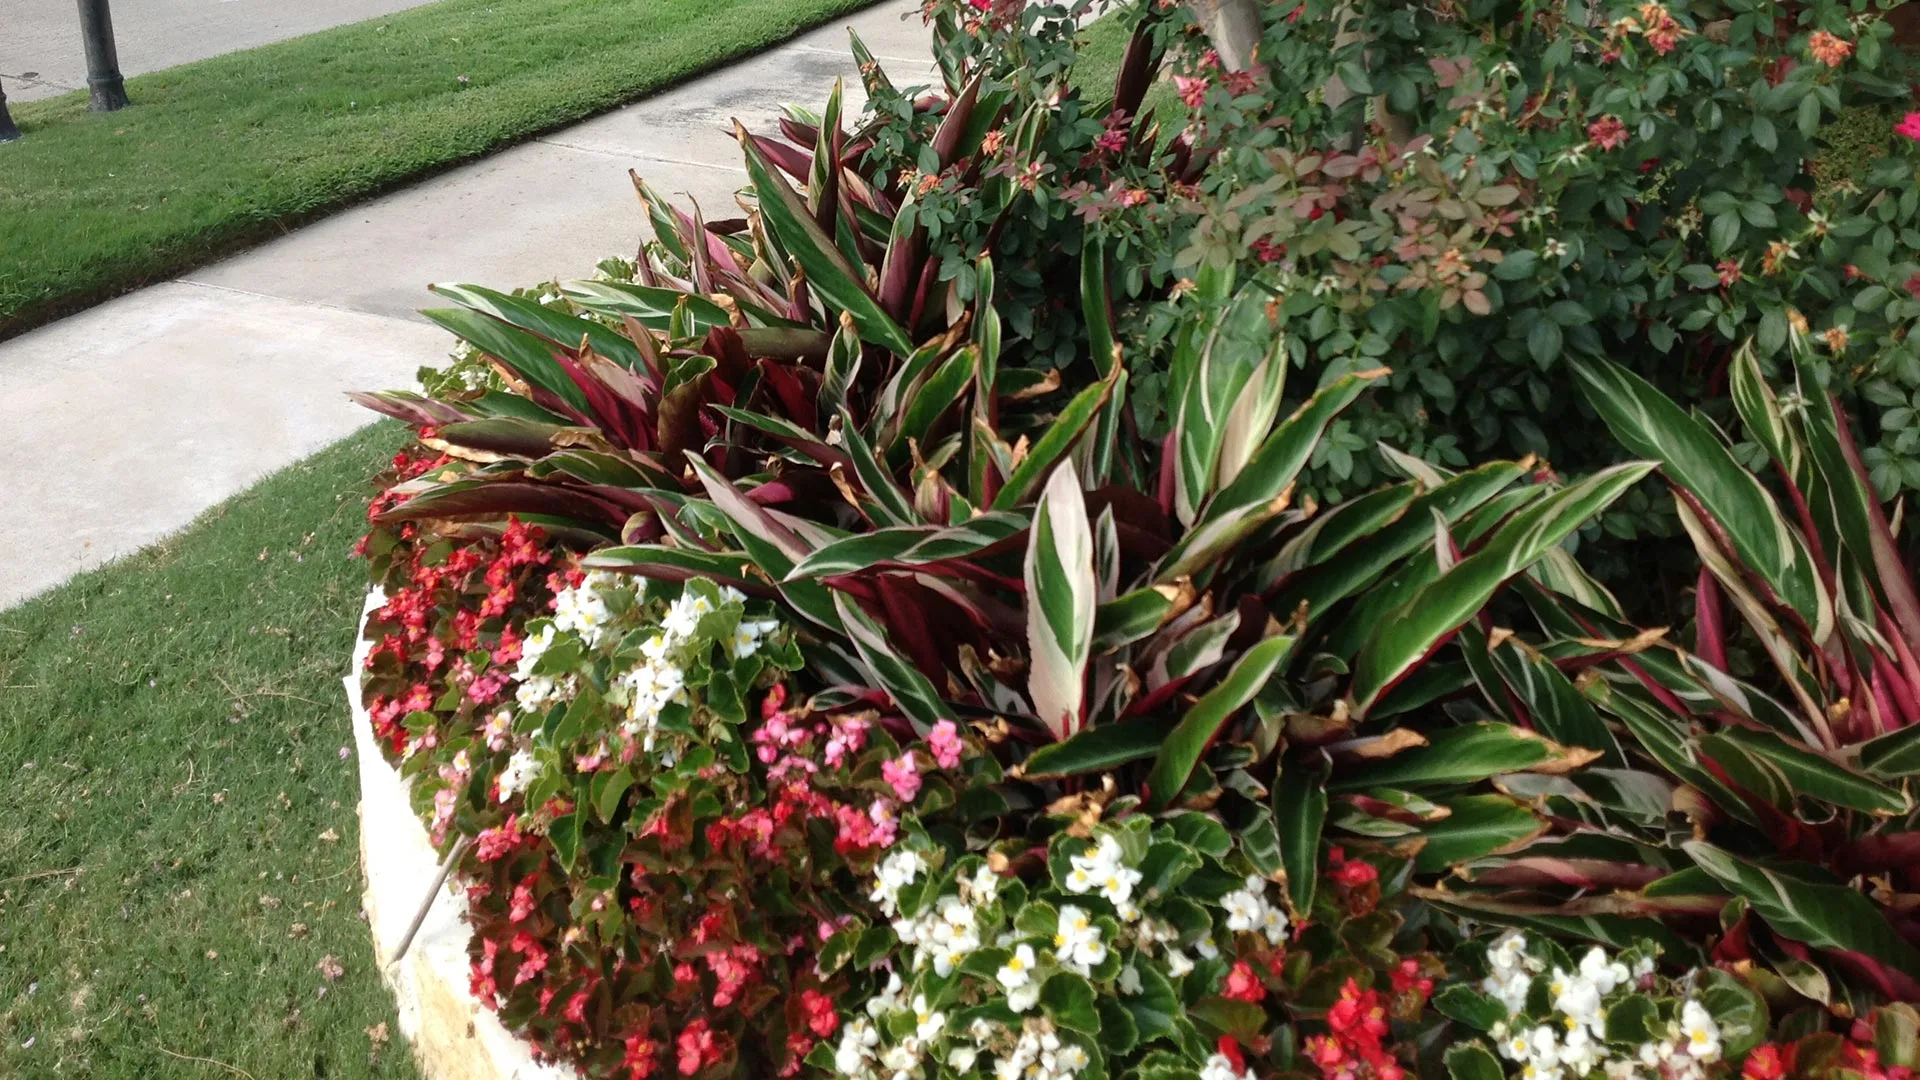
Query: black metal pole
{"type": "Point", "coordinates": [103, 61]}
{"type": "Point", "coordinates": [9, 131]}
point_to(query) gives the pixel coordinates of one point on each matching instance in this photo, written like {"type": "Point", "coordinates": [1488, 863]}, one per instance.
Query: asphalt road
{"type": "Point", "coordinates": [41, 54]}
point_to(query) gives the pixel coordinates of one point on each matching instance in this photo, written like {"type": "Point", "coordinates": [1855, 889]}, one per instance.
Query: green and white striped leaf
{"type": "Point", "coordinates": [1288, 448]}
{"type": "Point", "coordinates": [1817, 776]}
{"type": "Point", "coordinates": [1096, 749]}
{"type": "Point", "coordinates": [651, 306]}
{"type": "Point", "coordinates": [1061, 597]}
{"type": "Point", "coordinates": [1558, 709]}
{"type": "Point", "coordinates": [1760, 411]}
{"type": "Point", "coordinates": [1332, 531]}
{"type": "Point", "coordinates": [828, 271]}
{"type": "Point", "coordinates": [558, 327]}
{"type": "Point", "coordinates": [1437, 610]}
{"type": "Point", "coordinates": [773, 546]}
{"type": "Point", "coordinates": [1053, 444]}
{"type": "Point", "coordinates": [528, 355]}
{"type": "Point", "coordinates": [912, 692]}
{"type": "Point", "coordinates": [890, 504]}
{"type": "Point", "coordinates": [1892, 756]}
{"type": "Point", "coordinates": [663, 563]}
{"type": "Point", "coordinates": [933, 396]}
{"type": "Point", "coordinates": [1300, 809]}
{"type": "Point", "coordinates": [1362, 562]}
{"type": "Point", "coordinates": [843, 366]}
{"type": "Point", "coordinates": [1132, 616]}
{"type": "Point", "coordinates": [1466, 754]}
{"type": "Point", "coordinates": [1822, 914]}
{"type": "Point", "coordinates": [1211, 384]}
{"type": "Point", "coordinates": [1649, 424]}
{"type": "Point", "coordinates": [1477, 826]}
{"type": "Point", "coordinates": [1203, 722]}
{"type": "Point", "coordinates": [911, 545]}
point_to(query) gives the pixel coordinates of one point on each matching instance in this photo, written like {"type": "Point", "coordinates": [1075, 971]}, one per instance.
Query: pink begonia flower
{"type": "Point", "coordinates": [945, 741]}
{"type": "Point", "coordinates": [901, 773]}
{"type": "Point", "coordinates": [1910, 127]}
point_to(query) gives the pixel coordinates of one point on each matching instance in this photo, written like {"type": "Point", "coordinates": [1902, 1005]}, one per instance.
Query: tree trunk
{"type": "Point", "coordinates": [1234, 28]}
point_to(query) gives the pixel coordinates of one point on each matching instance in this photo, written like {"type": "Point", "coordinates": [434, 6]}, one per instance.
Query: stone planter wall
{"type": "Point", "coordinates": [452, 1035]}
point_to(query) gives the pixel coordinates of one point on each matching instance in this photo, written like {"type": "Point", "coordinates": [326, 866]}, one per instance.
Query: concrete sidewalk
{"type": "Point", "coordinates": [41, 54]}
{"type": "Point", "coordinates": [125, 422]}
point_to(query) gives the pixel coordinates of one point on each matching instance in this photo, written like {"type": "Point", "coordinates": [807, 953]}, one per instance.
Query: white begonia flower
{"type": "Point", "coordinates": [1605, 974]}
{"type": "Point", "coordinates": [1543, 1046]}
{"type": "Point", "coordinates": [1130, 980]}
{"type": "Point", "coordinates": [1220, 1067]}
{"type": "Point", "coordinates": [1092, 865]}
{"type": "Point", "coordinates": [1207, 949]}
{"type": "Point", "coordinates": [1023, 998]}
{"type": "Point", "coordinates": [521, 771]}
{"type": "Point", "coordinates": [1244, 907]}
{"type": "Point", "coordinates": [983, 886]}
{"type": "Point", "coordinates": [894, 873]}
{"type": "Point", "coordinates": [1643, 967]}
{"type": "Point", "coordinates": [684, 615]}
{"type": "Point", "coordinates": [927, 1021]}
{"type": "Point", "coordinates": [888, 1001]}
{"type": "Point", "coordinates": [655, 647]}
{"type": "Point", "coordinates": [1017, 972]}
{"type": "Point", "coordinates": [1702, 1033]}
{"type": "Point", "coordinates": [1274, 924]}
{"type": "Point", "coordinates": [961, 1058]}
{"type": "Point", "coordinates": [582, 611]}
{"type": "Point", "coordinates": [1511, 990]}
{"type": "Point", "coordinates": [1621, 1069]}
{"type": "Point", "coordinates": [1575, 995]}
{"type": "Point", "coordinates": [1178, 965]}
{"type": "Point", "coordinates": [902, 1057]}
{"type": "Point", "coordinates": [857, 1042]}
{"type": "Point", "coordinates": [1579, 1053]}
{"type": "Point", "coordinates": [532, 649]}
{"type": "Point", "coordinates": [1077, 941]}
{"type": "Point", "coordinates": [747, 636]}
{"type": "Point", "coordinates": [1508, 951]}
{"type": "Point", "coordinates": [1514, 1044]}
{"type": "Point", "coordinates": [536, 693]}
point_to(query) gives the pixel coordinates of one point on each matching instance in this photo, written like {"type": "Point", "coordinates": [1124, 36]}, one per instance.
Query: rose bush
{"type": "Point", "coordinates": [1481, 190]}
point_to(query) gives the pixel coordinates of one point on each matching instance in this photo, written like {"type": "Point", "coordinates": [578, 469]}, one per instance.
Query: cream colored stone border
{"type": "Point", "coordinates": [453, 1036]}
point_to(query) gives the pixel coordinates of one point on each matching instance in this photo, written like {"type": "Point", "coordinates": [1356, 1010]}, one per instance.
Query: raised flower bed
{"type": "Point", "coordinates": [825, 653]}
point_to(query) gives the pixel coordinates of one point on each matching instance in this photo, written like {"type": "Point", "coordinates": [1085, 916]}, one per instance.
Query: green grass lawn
{"type": "Point", "coordinates": [224, 152]}
{"type": "Point", "coordinates": [178, 842]}
{"type": "Point", "coordinates": [1103, 44]}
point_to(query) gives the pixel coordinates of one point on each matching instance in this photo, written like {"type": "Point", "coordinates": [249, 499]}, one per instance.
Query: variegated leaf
{"type": "Point", "coordinates": [1649, 424]}
{"type": "Point", "coordinates": [1061, 594]}
{"type": "Point", "coordinates": [1435, 611]}
{"type": "Point", "coordinates": [911, 545]}
{"type": "Point", "coordinates": [912, 692]}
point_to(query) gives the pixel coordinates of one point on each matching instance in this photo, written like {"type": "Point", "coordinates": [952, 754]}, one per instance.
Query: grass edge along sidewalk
{"type": "Point", "coordinates": [179, 859]}
{"type": "Point", "coordinates": [222, 153]}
